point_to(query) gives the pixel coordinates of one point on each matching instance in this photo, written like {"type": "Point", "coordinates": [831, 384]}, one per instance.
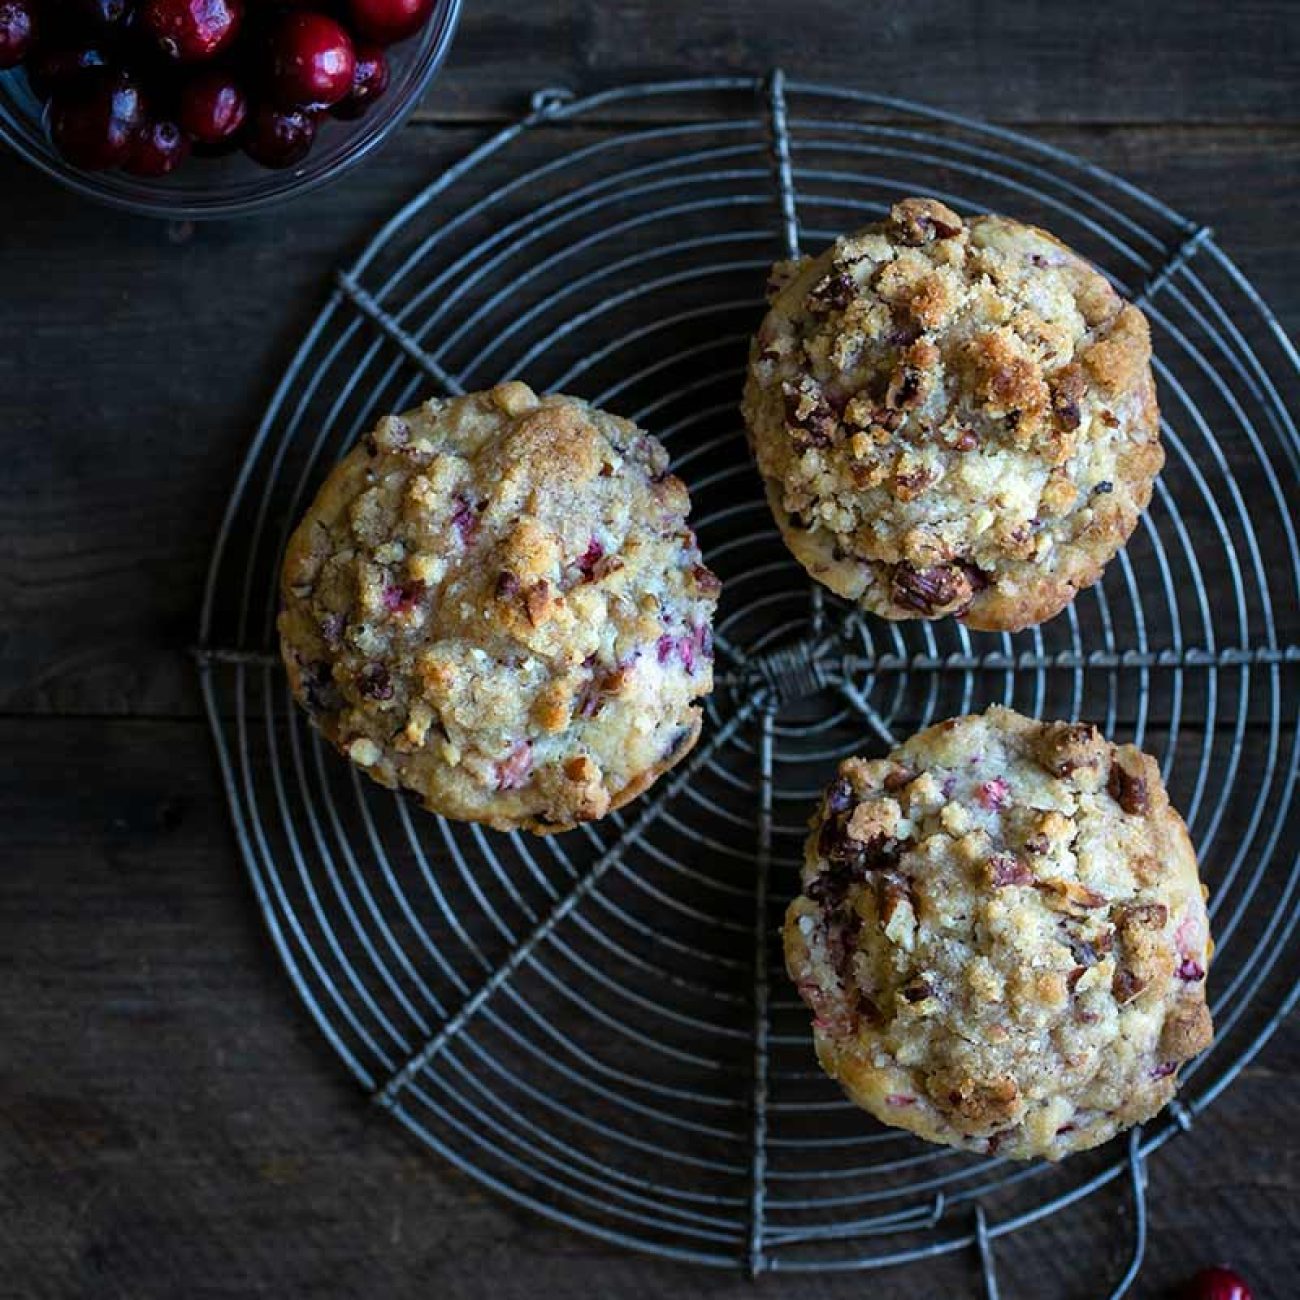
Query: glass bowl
{"type": "Point", "coordinates": [233, 186]}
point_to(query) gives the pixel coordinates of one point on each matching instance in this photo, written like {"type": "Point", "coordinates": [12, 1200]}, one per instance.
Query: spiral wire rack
{"type": "Point", "coordinates": [596, 1025]}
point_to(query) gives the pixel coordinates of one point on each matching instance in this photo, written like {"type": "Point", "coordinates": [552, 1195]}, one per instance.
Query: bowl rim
{"type": "Point", "coordinates": [175, 207]}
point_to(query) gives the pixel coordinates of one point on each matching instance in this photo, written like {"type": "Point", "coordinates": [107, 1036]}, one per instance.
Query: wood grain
{"type": "Point", "coordinates": [1033, 61]}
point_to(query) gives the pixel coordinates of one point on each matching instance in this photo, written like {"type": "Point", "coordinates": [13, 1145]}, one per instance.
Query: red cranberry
{"type": "Point", "coordinates": [1217, 1283]}
{"type": "Point", "coordinates": [213, 107]}
{"type": "Point", "coordinates": [369, 81]}
{"type": "Point", "coordinates": [17, 31]}
{"type": "Point", "coordinates": [95, 126]}
{"type": "Point", "coordinates": [191, 30]}
{"type": "Point", "coordinates": [279, 137]}
{"type": "Point", "coordinates": [386, 21]}
{"type": "Point", "coordinates": [54, 70]}
{"type": "Point", "coordinates": [160, 147]}
{"type": "Point", "coordinates": [312, 60]}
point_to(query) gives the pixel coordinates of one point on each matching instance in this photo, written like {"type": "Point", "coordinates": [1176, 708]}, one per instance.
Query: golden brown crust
{"type": "Point", "coordinates": [953, 418]}
{"type": "Point", "coordinates": [495, 602]}
{"type": "Point", "coordinates": [1002, 936]}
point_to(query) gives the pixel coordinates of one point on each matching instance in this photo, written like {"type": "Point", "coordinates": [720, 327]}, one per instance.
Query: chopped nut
{"type": "Point", "coordinates": [1070, 896]}
{"type": "Point", "coordinates": [1128, 789]}
{"type": "Point", "coordinates": [1126, 986]}
{"type": "Point", "coordinates": [937, 589]}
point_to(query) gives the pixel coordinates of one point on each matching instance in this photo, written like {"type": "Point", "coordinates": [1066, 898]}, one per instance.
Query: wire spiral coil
{"type": "Point", "coordinates": [596, 1025]}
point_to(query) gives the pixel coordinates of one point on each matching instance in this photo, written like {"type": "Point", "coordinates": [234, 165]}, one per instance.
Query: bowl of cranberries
{"type": "Point", "coordinates": [210, 108]}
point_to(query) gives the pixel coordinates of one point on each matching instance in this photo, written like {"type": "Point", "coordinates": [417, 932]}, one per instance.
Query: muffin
{"type": "Point", "coordinates": [1002, 936]}
{"type": "Point", "coordinates": [495, 602]}
{"type": "Point", "coordinates": [953, 417]}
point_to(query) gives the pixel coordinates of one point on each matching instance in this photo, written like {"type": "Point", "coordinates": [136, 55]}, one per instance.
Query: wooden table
{"type": "Point", "coordinates": [170, 1123]}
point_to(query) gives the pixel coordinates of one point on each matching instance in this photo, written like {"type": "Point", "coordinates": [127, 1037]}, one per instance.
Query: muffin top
{"type": "Point", "coordinates": [1002, 936]}
{"type": "Point", "coordinates": [953, 417]}
{"type": "Point", "coordinates": [495, 601]}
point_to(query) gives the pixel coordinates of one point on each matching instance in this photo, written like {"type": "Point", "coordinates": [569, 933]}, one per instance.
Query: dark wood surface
{"type": "Point", "coordinates": [170, 1123]}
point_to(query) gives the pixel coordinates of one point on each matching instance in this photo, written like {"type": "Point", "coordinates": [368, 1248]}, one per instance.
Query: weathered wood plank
{"type": "Point", "coordinates": [1030, 62]}
{"type": "Point", "coordinates": [126, 439]}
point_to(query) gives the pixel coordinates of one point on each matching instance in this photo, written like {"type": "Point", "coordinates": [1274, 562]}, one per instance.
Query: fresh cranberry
{"type": "Point", "coordinates": [213, 107]}
{"type": "Point", "coordinates": [369, 82]}
{"type": "Point", "coordinates": [190, 31]}
{"type": "Point", "coordinates": [312, 60]}
{"type": "Point", "coordinates": [1217, 1283]}
{"type": "Point", "coordinates": [17, 31]}
{"type": "Point", "coordinates": [387, 21]}
{"type": "Point", "coordinates": [160, 147]}
{"type": "Point", "coordinates": [95, 126]}
{"type": "Point", "coordinates": [54, 70]}
{"type": "Point", "coordinates": [279, 137]}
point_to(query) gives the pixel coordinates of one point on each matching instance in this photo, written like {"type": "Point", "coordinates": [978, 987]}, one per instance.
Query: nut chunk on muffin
{"type": "Point", "coordinates": [496, 602]}
{"type": "Point", "coordinates": [1002, 936]}
{"type": "Point", "coordinates": [953, 417]}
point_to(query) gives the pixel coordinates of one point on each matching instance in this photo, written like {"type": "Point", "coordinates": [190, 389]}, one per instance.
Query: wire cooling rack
{"type": "Point", "coordinates": [596, 1025]}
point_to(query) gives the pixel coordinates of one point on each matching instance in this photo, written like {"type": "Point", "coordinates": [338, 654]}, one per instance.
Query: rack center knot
{"type": "Point", "coordinates": [792, 672]}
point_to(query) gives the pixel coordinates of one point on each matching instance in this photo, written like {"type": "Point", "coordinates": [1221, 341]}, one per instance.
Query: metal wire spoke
{"type": "Point", "coordinates": [597, 1025]}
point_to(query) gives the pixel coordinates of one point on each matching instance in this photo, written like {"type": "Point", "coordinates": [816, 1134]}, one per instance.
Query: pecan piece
{"type": "Point", "coordinates": [809, 417]}
{"type": "Point", "coordinates": [1143, 916]}
{"type": "Point", "coordinates": [537, 601]}
{"type": "Point", "coordinates": [938, 589]}
{"type": "Point", "coordinates": [1126, 985]}
{"type": "Point", "coordinates": [1070, 896]}
{"type": "Point", "coordinates": [1066, 747]}
{"type": "Point", "coordinates": [1068, 388]}
{"type": "Point", "coordinates": [1129, 790]}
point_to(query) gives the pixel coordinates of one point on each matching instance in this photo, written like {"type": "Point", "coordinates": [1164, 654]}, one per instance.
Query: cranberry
{"type": "Point", "coordinates": [513, 771]}
{"type": "Point", "coordinates": [17, 31]}
{"type": "Point", "coordinates": [591, 557]}
{"type": "Point", "coordinates": [160, 147]}
{"type": "Point", "coordinates": [1217, 1283]}
{"type": "Point", "coordinates": [312, 60]}
{"type": "Point", "coordinates": [95, 126]}
{"type": "Point", "coordinates": [369, 82]}
{"type": "Point", "coordinates": [465, 520]}
{"type": "Point", "coordinates": [213, 107]}
{"type": "Point", "coordinates": [279, 137]}
{"type": "Point", "coordinates": [386, 21]}
{"type": "Point", "coordinates": [191, 30]}
{"type": "Point", "coordinates": [54, 70]}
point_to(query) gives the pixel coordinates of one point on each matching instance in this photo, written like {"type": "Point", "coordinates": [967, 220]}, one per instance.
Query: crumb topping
{"type": "Point", "coordinates": [1002, 936]}
{"type": "Point", "coordinates": [953, 417]}
{"type": "Point", "coordinates": [496, 601]}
